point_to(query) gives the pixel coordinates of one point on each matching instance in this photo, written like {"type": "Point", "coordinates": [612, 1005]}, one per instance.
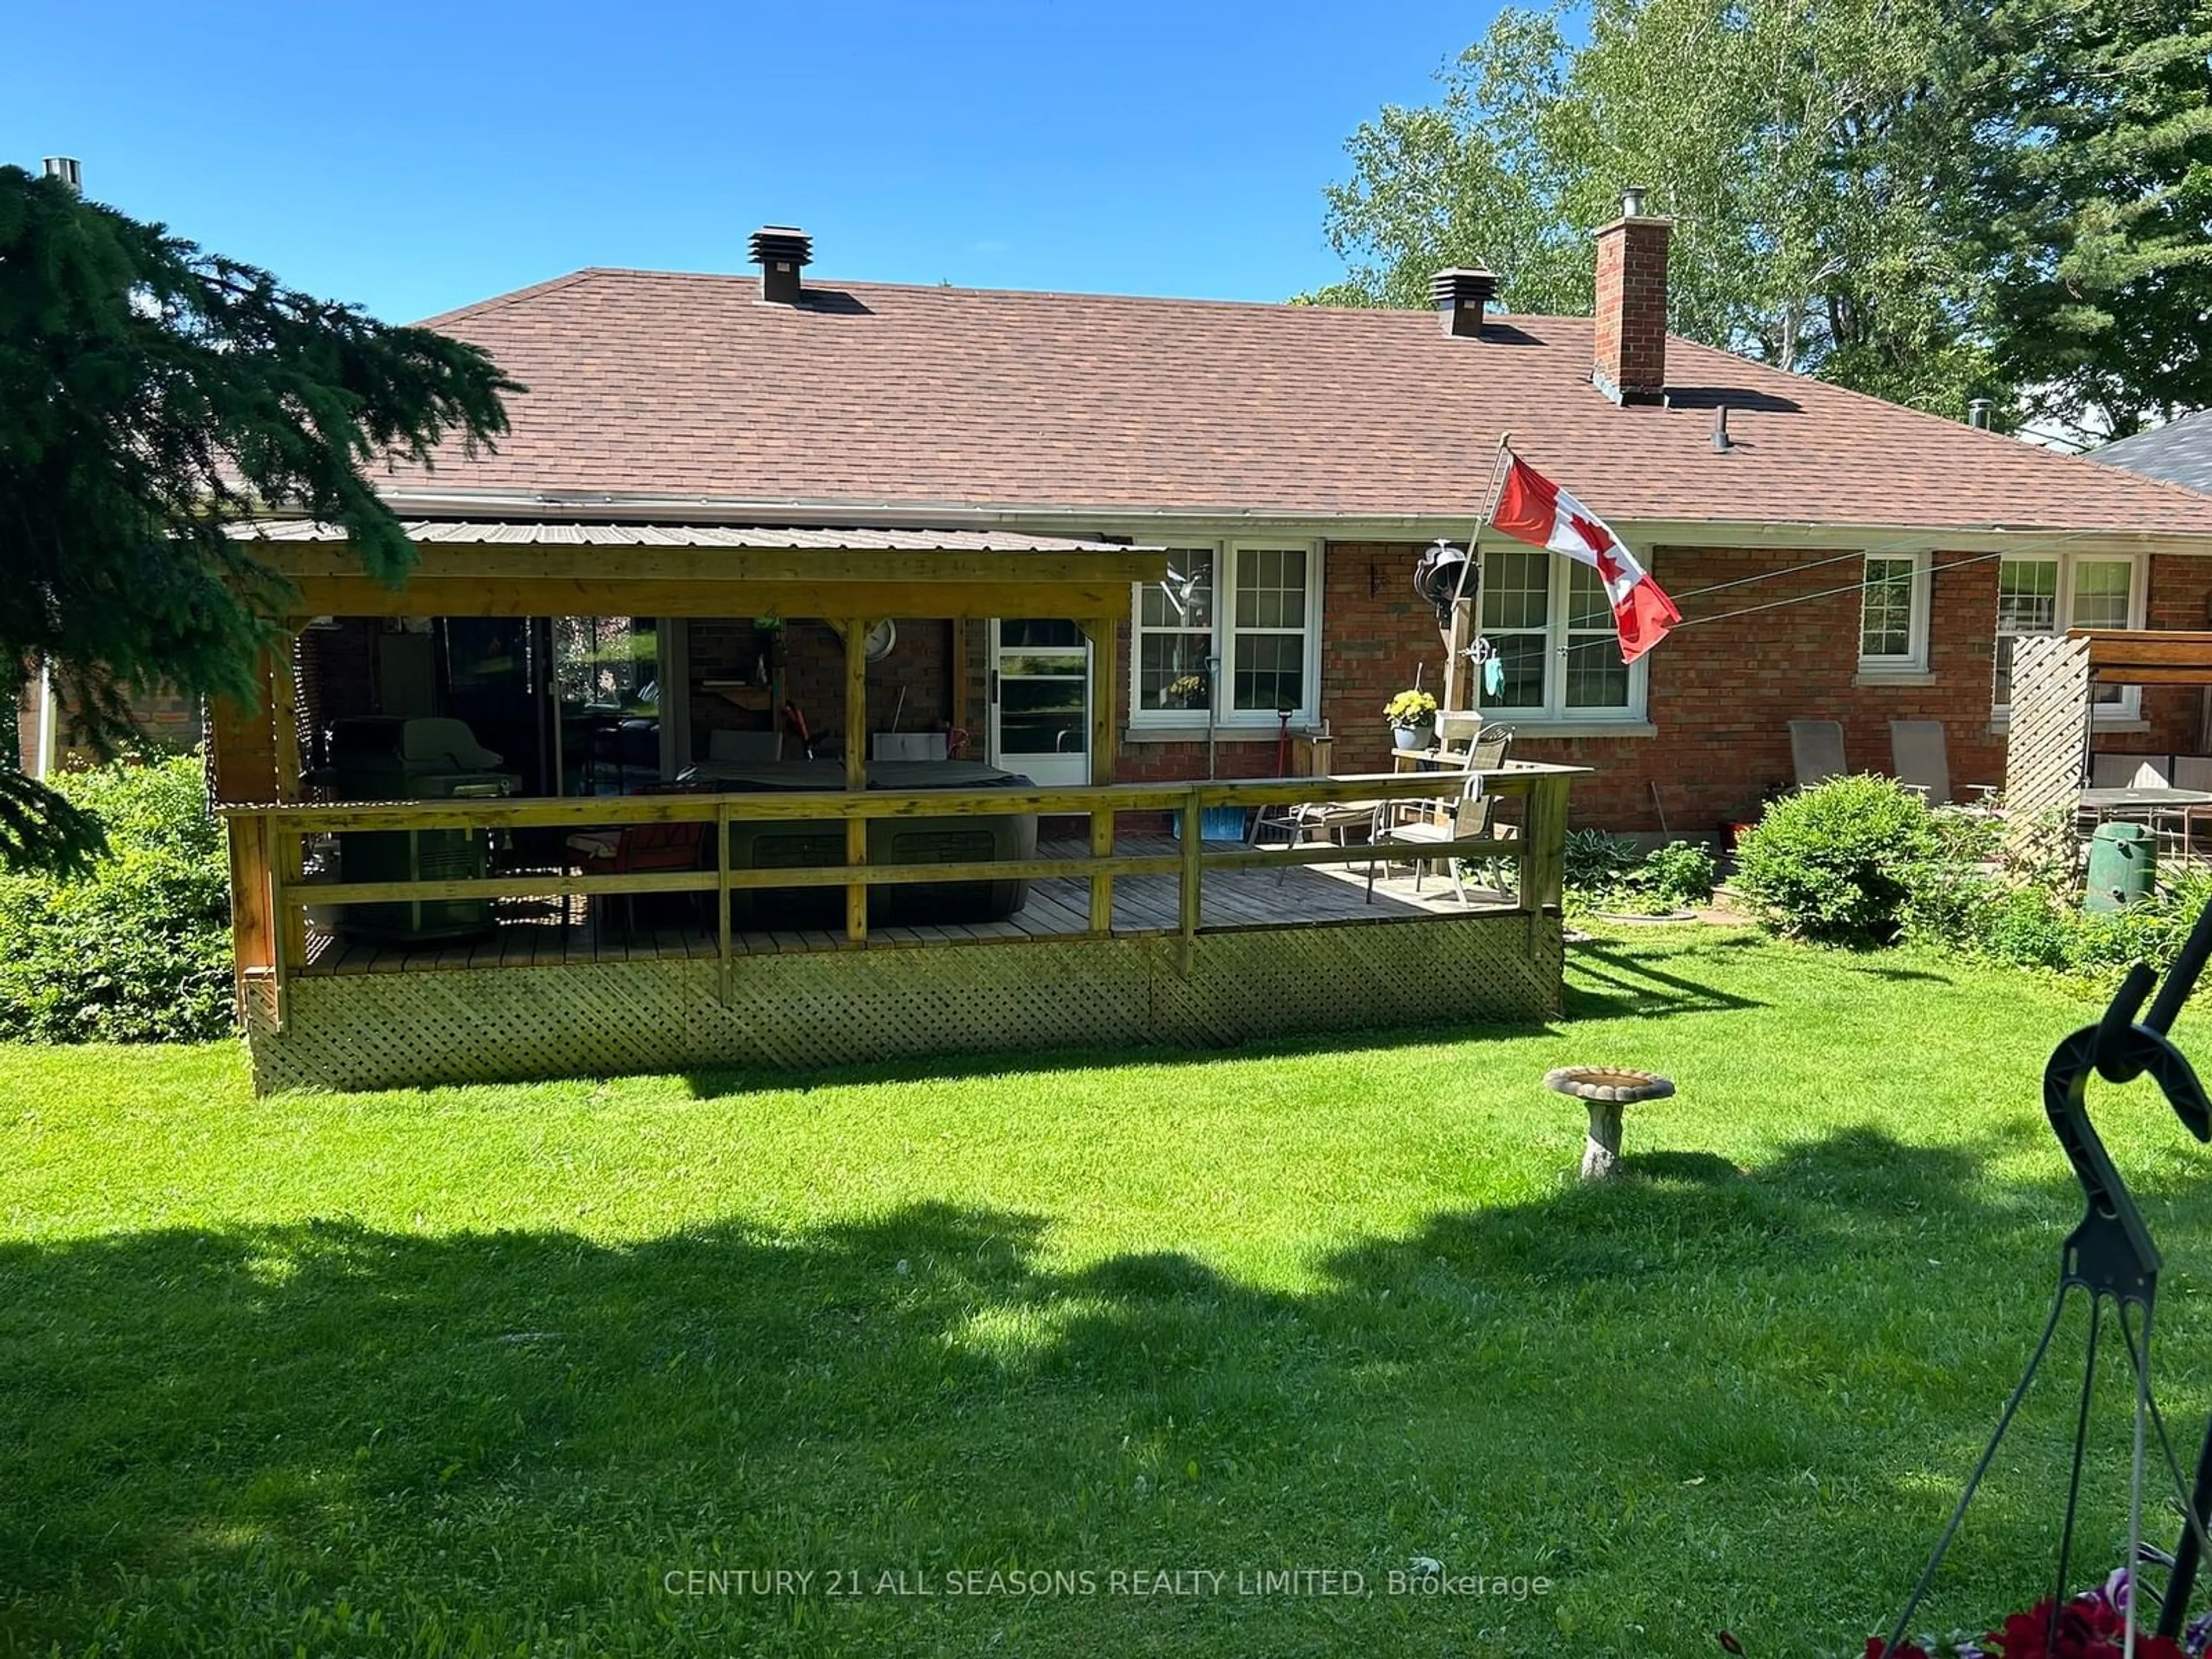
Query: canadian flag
{"type": "Point", "coordinates": [1534, 510]}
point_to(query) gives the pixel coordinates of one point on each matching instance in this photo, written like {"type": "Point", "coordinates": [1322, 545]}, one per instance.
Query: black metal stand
{"type": "Point", "coordinates": [2111, 1256]}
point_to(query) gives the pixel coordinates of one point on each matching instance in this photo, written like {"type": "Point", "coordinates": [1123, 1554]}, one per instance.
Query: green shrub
{"type": "Point", "coordinates": [138, 949]}
{"type": "Point", "coordinates": [1829, 863]}
{"type": "Point", "coordinates": [1679, 874]}
{"type": "Point", "coordinates": [1951, 888]}
{"type": "Point", "coordinates": [1596, 868]}
{"type": "Point", "coordinates": [2046, 928]}
{"type": "Point", "coordinates": [2029, 929]}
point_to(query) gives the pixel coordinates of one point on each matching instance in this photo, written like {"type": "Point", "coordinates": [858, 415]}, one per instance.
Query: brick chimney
{"type": "Point", "coordinates": [1630, 364]}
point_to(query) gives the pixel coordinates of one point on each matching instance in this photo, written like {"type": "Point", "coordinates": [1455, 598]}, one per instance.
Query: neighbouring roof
{"type": "Point", "coordinates": [672, 388]}
{"type": "Point", "coordinates": [2180, 452]}
{"type": "Point", "coordinates": [747, 538]}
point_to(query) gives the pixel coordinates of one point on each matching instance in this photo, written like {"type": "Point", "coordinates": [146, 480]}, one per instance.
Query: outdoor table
{"type": "Point", "coordinates": [2151, 806]}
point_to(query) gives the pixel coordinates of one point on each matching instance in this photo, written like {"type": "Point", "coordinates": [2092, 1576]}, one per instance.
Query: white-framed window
{"type": "Point", "coordinates": [2056, 591]}
{"type": "Point", "coordinates": [1549, 622]}
{"type": "Point", "coordinates": [1894, 614]}
{"type": "Point", "coordinates": [1236, 628]}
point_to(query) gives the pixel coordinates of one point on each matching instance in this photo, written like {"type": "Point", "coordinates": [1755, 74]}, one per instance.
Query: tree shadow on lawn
{"type": "Point", "coordinates": [219, 1435]}
{"type": "Point", "coordinates": [1613, 981]}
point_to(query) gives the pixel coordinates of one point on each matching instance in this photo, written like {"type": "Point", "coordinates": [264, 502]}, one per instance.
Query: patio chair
{"type": "Point", "coordinates": [1469, 814]}
{"type": "Point", "coordinates": [1923, 763]}
{"type": "Point", "coordinates": [1816, 749]}
{"type": "Point", "coordinates": [2141, 772]}
{"type": "Point", "coordinates": [638, 849]}
{"type": "Point", "coordinates": [744, 747]}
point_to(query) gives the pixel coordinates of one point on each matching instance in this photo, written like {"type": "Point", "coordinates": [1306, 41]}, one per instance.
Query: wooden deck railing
{"type": "Point", "coordinates": [271, 899]}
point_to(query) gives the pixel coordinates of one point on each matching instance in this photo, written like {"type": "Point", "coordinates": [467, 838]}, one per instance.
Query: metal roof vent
{"type": "Point", "coordinates": [1459, 295]}
{"type": "Point", "coordinates": [1977, 413]}
{"type": "Point", "coordinates": [68, 169]}
{"type": "Point", "coordinates": [781, 252]}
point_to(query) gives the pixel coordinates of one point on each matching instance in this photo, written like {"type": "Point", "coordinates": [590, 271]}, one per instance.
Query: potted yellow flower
{"type": "Point", "coordinates": [1408, 712]}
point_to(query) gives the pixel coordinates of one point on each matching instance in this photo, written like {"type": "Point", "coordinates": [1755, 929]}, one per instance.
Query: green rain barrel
{"type": "Point", "coordinates": [2121, 861]}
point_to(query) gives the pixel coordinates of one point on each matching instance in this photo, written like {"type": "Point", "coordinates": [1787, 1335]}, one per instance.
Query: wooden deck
{"type": "Point", "coordinates": [533, 934]}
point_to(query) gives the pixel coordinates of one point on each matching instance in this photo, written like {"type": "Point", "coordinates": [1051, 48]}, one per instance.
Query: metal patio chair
{"type": "Point", "coordinates": [1922, 761]}
{"type": "Point", "coordinates": [1468, 815]}
{"type": "Point", "coordinates": [1816, 751]}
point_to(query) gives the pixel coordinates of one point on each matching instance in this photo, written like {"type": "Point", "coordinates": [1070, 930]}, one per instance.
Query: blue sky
{"type": "Point", "coordinates": [414, 157]}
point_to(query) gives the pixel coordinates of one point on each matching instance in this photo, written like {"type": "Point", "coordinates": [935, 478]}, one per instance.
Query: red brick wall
{"type": "Point", "coordinates": [1721, 696]}
{"type": "Point", "coordinates": [170, 723]}
{"type": "Point", "coordinates": [1630, 343]}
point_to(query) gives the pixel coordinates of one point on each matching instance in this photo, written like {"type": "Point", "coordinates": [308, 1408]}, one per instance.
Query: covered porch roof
{"type": "Point", "coordinates": [477, 568]}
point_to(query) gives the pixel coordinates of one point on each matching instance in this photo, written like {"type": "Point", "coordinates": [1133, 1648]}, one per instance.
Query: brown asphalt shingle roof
{"type": "Point", "coordinates": [872, 395]}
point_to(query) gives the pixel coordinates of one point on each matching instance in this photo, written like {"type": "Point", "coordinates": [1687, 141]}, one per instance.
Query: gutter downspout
{"type": "Point", "coordinates": [42, 753]}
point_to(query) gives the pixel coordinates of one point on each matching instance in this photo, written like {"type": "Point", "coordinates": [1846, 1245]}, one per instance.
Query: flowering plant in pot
{"type": "Point", "coordinates": [2090, 1625]}
{"type": "Point", "coordinates": [1408, 712]}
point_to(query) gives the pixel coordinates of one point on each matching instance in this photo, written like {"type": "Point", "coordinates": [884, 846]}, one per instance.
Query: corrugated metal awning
{"type": "Point", "coordinates": [759, 539]}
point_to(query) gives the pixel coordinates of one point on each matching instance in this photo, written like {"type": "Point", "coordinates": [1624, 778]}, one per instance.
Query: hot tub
{"type": "Point", "coordinates": [790, 845]}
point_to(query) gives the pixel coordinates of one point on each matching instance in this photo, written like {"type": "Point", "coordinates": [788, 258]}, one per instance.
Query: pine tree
{"type": "Point", "coordinates": [2090, 188]}
{"type": "Point", "coordinates": [151, 393]}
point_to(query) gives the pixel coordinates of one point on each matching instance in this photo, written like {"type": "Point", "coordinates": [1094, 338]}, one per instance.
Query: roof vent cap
{"type": "Point", "coordinates": [1459, 294]}
{"type": "Point", "coordinates": [68, 169]}
{"type": "Point", "coordinates": [781, 251]}
{"type": "Point", "coordinates": [1632, 201]}
{"type": "Point", "coordinates": [1977, 413]}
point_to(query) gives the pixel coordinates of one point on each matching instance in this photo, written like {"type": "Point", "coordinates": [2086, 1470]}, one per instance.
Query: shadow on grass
{"type": "Point", "coordinates": [1605, 979]}
{"type": "Point", "coordinates": [500, 1433]}
{"type": "Point", "coordinates": [1877, 971]}
{"type": "Point", "coordinates": [1615, 979]}
{"type": "Point", "coordinates": [716, 1084]}
{"type": "Point", "coordinates": [1704, 1167]}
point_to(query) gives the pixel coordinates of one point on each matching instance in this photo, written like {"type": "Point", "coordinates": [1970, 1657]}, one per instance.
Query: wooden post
{"type": "Point", "coordinates": [1544, 857]}
{"type": "Point", "coordinates": [284, 720]}
{"type": "Point", "coordinates": [1459, 671]}
{"type": "Point", "coordinates": [1104, 729]}
{"type": "Point", "coordinates": [245, 770]}
{"type": "Point", "coordinates": [957, 705]}
{"type": "Point", "coordinates": [253, 934]}
{"type": "Point", "coordinates": [288, 847]}
{"type": "Point", "coordinates": [1190, 895]}
{"type": "Point", "coordinates": [722, 894]}
{"type": "Point", "coordinates": [281, 845]}
{"type": "Point", "coordinates": [856, 771]}
{"type": "Point", "coordinates": [243, 756]}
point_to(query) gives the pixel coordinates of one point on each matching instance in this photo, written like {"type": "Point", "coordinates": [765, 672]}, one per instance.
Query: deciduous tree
{"type": "Point", "coordinates": [1801, 147]}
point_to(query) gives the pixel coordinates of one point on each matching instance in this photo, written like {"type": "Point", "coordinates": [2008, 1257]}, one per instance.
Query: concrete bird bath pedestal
{"type": "Point", "coordinates": [1605, 1090]}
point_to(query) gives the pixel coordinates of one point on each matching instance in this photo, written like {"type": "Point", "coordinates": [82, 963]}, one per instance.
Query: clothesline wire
{"type": "Point", "coordinates": [2047, 545]}
{"type": "Point", "coordinates": [2025, 550]}
{"type": "Point", "coordinates": [1829, 592]}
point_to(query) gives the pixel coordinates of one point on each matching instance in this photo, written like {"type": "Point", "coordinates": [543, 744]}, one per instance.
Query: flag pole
{"type": "Point", "coordinates": [1459, 635]}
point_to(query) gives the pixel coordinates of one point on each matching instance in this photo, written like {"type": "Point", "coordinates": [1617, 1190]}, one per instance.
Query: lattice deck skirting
{"type": "Point", "coordinates": [808, 1010]}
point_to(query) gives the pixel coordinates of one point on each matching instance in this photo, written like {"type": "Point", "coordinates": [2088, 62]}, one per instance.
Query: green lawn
{"type": "Point", "coordinates": [477, 1371]}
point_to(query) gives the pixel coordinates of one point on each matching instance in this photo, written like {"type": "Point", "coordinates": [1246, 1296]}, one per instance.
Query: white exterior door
{"type": "Point", "coordinates": [1040, 699]}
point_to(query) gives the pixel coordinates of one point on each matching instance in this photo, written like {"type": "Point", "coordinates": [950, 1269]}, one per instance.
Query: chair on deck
{"type": "Point", "coordinates": [1469, 815]}
{"type": "Point", "coordinates": [2145, 772]}
{"type": "Point", "coordinates": [1816, 751]}
{"type": "Point", "coordinates": [640, 849]}
{"type": "Point", "coordinates": [1922, 762]}
{"type": "Point", "coordinates": [745, 747]}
